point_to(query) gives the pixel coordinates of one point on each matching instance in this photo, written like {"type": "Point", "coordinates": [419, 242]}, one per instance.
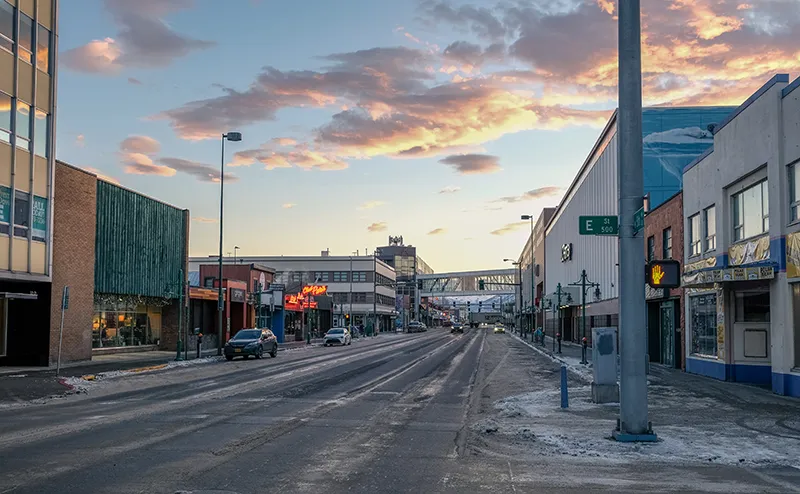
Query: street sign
{"type": "Point", "coordinates": [598, 225]}
{"type": "Point", "coordinates": [638, 220]}
{"type": "Point", "coordinates": [665, 273]}
{"type": "Point", "coordinates": [65, 298]}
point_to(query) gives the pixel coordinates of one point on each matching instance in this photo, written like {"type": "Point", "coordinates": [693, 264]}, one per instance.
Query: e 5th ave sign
{"type": "Point", "coordinates": [598, 225]}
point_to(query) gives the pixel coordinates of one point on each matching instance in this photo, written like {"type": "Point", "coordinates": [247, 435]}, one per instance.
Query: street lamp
{"type": "Point", "coordinates": [233, 137]}
{"type": "Point", "coordinates": [530, 217]}
{"type": "Point", "coordinates": [519, 269]}
{"type": "Point", "coordinates": [235, 248]}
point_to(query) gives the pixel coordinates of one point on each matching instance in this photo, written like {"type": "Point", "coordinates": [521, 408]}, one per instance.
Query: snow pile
{"type": "Point", "coordinates": [584, 430]}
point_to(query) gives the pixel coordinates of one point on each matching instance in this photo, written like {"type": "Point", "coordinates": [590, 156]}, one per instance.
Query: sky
{"type": "Point", "coordinates": [441, 121]}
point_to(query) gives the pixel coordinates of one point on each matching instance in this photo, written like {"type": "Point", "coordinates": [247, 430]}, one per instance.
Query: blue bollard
{"type": "Point", "coordinates": [564, 394]}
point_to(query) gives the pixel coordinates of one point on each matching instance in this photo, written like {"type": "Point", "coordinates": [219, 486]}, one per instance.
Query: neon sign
{"type": "Point", "coordinates": [315, 290]}
{"type": "Point", "coordinates": [298, 302]}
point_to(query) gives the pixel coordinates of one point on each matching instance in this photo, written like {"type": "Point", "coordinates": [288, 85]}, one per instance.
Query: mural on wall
{"type": "Point", "coordinates": [672, 138]}
{"type": "Point", "coordinates": [793, 255]}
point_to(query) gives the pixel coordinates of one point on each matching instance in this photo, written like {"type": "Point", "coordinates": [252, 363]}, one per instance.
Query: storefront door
{"type": "Point", "coordinates": [668, 333]}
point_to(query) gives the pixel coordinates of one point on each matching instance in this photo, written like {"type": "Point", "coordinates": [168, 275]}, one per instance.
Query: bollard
{"type": "Point", "coordinates": [199, 342]}
{"type": "Point", "coordinates": [564, 394]}
{"type": "Point", "coordinates": [584, 344]}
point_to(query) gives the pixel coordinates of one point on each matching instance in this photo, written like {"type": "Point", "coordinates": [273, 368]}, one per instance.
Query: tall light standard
{"type": "Point", "coordinates": [350, 297]}
{"type": "Point", "coordinates": [519, 269]}
{"type": "Point", "coordinates": [530, 217]}
{"type": "Point", "coordinates": [235, 248]}
{"type": "Point", "coordinates": [233, 137]}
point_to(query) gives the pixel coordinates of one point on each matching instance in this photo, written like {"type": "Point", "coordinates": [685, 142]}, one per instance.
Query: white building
{"type": "Point", "coordinates": [742, 245]}
{"type": "Point", "coordinates": [360, 286]}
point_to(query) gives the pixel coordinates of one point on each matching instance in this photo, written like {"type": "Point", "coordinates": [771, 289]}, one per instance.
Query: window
{"type": "Point", "coordinates": [23, 128]}
{"type": "Point", "coordinates": [359, 298]}
{"type": "Point", "coordinates": [694, 235]}
{"type": "Point", "coordinates": [666, 246]}
{"type": "Point", "coordinates": [752, 306]}
{"type": "Point", "coordinates": [651, 248]}
{"type": "Point", "coordinates": [751, 212]}
{"type": "Point", "coordinates": [794, 190]}
{"type": "Point", "coordinates": [6, 26]}
{"type": "Point", "coordinates": [5, 115]}
{"type": "Point", "coordinates": [340, 276]}
{"type": "Point", "coordinates": [43, 49]}
{"type": "Point", "coordinates": [41, 133]}
{"type": "Point", "coordinates": [360, 276]}
{"type": "Point", "coordinates": [710, 228]}
{"type": "Point", "coordinates": [208, 282]}
{"type": "Point", "coordinates": [25, 38]}
{"type": "Point", "coordinates": [22, 212]}
{"type": "Point", "coordinates": [321, 276]}
{"type": "Point", "coordinates": [340, 298]}
{"type": "Point", "coordinates": [703, 315]}
{"type": "Point", "coordinates": [297, 276]}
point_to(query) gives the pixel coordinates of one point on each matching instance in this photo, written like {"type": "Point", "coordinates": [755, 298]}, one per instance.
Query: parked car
{"type": "Point", "coordinates": [457, 328]}
{"type": "Point", "coordinates": [500, 329]}
{"type": "Point", "coordinates": [337, 336]}
{"type": "Point", "coordinates": [253, 342]}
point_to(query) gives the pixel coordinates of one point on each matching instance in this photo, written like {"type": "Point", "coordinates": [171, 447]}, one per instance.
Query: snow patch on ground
{"type": "Point", "coordinates": [574, 365]}
{"type": "Point", "coordinates": [584, 430]}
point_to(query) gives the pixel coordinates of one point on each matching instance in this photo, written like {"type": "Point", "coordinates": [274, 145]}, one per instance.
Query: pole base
{"type": "Point", "coordinates": [625, 437]}
{"type": "Point", "coordinates": [179, 351]}
{"type": "Point", "coordinates": [605, 393]}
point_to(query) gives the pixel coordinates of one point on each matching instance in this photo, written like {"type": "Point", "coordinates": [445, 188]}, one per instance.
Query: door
{"type": "Point", "coordinates": [668, 333]}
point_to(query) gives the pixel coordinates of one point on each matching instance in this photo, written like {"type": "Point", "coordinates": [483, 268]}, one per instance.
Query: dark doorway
{"type": "Point", "coordinates": [26, 324]}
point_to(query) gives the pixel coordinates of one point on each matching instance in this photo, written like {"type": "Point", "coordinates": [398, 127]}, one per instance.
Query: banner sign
{"type": "Point", "coordinates": [749, 252]}
{"type": "Point", "coordinates": [39, 218]}
{"type": "Point", "coordinates": [5, 204]}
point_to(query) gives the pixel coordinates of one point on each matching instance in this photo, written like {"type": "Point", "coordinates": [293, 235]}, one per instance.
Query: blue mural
{"type": "Point", "coordinates": [673, 138]}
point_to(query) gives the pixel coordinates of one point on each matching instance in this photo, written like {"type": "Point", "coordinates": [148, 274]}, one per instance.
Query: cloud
{"type": "Point", "coordinates": [80, 140]}
{"type": "Point", "coordinates": [144, 39]}
{"type": "Point", "coordinates": [371, 205]}
{"type": "Point", "coordinates": [288, 205]}
{"type": "Point", "coordinates": [300, 157]}
{"type": "Point", "coordinates": [437, 231]}
{"type": "Point", "coordinates": [481, 21]}
{"type": "Point", "coordinates": [200, 219]}
{"type": "Point", "coordinates": [200, 171]}
{"type": "Point", "coordinates": [284, 141]}
{"type": "Point", "coordinates": [533, 194]}
{"type": "Point", "coordinates": [510, 228]}
{"type": "Point", "coordinates": [101, 175]}
{"type": "Point", "coordinates": [140, 144]}
{"type": "Point", "coordinates": [141, 164]}
{"type": "Point", "coordinates": [380, 226]}
{"type": "Point", "coordinates": [471, 56]}
{"type": "Point", "coordinates": [450, 189]}
{"type": "Point", "coordinates": [135, 81]}
{"type": "Point", "coordinates": [472, 164]}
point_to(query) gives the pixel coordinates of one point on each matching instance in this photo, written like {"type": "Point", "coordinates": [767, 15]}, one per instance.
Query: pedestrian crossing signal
{"type": "Point", "coordinates": [665, 273]}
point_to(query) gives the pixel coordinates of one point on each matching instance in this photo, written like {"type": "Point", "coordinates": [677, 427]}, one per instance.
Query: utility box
{"type": "Point", "coordinates": [604, 365]}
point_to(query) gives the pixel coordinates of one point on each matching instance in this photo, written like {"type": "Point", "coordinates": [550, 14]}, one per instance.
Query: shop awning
{"type": "Point", "coordinates": [711, 276]}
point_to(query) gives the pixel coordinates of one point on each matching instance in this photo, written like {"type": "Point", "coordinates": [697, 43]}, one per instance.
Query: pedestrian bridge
{"type": "Point", "coordinates": [466, 283]}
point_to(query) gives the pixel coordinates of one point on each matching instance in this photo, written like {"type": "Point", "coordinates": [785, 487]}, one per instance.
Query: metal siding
{"type": "Point", "coordinates": [140, 244]}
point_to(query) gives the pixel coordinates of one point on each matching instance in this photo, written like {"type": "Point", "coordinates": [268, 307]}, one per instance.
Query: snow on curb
{"type": "Point", "coordinates": [582, 371]}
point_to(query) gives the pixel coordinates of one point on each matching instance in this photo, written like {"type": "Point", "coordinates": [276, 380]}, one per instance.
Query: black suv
{"type": "Point", "coordinates": [457, 328]}
{"type": "Point", "coordinates": [255, 342]}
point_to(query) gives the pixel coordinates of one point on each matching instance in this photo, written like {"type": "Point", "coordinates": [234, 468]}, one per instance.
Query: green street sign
{"type": "Point", "coordinates": [598, 225]}
{"type": "Point", "coordinates": [638, 221]}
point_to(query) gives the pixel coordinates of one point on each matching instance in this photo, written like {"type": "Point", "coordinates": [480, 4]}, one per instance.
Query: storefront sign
{"type": "Point", "coordinates": [5, 204]}
{"type": "Point", "coordinates": [749, 252]}
{"type": "Point", "coordinates": [706, 263]}
{"type": "Point", "coordinates": [298, 302]}
{"type": "Point", "coordinates": [278, 287]}
{"type": "Point", "coordinates": [793, 255]}
{"type": "Point", "coordinates": [730, 274]}
{"type": "Point", "coordinates": [315, 290]}
{"type": "Point", "coordinates": [238, 295]}
{"type": "Point", "coordinates": [39, 230]}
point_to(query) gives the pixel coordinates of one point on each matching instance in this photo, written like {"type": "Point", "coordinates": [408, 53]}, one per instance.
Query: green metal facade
{"type": "Point", "coordinates": [141, 244]}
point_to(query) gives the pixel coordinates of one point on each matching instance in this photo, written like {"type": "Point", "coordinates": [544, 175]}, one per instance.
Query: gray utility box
{"type": "Point", "coordinates": [604, 365]}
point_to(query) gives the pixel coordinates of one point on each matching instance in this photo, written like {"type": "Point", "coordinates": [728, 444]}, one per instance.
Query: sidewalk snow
{"type": "Point", "coordinates": [574, 365]}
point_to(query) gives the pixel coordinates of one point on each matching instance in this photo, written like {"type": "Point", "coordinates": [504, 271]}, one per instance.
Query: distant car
{"type": "Point", "coordinates": [337, 336]}
{"type": "Point", "coordinates": [457, 328]}
{"type": "Point", "coordinates": [416, 327]}
{"type": "Point", "coordinates": [500, 329]}
{"type": "Point", "coordinates": [253, 342]}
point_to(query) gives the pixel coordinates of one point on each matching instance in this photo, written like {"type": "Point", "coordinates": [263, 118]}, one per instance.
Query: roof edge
{"type": "Point", "coordinates": [776, 79]}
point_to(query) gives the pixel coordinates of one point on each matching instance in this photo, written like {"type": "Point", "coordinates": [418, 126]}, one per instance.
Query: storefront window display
{"type": "Point", "coordinates": [703, 314]}
{"type": "Point", "coordinates": [121, 324]}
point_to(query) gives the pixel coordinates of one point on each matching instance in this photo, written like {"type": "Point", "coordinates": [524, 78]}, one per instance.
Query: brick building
{"type": "Point", "coordinates": [663, 231]}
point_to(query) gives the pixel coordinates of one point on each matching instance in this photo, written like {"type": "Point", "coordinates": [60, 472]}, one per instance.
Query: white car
{"type": "Point", "coordinates": [337, 336]}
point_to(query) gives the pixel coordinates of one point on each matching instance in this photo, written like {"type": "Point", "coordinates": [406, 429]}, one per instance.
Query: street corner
{"type": "Point", "coordinates": [28, 389]}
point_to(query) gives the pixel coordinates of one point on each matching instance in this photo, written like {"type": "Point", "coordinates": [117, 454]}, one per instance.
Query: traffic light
{"type": "Point", "coordinates": [665, 273]}
{"type": "Point", "coordinates": [454, 303]}
{"type": "Point", "coordinates": [481, 285]}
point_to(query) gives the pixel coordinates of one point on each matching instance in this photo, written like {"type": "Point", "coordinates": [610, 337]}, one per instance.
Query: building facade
{"type": "Point", "coordinates": [407, 265]}
{"type": "Point", "coordinates": [663, 239]}
{"type": "Point", "coordinates": [28, 65]}
{"type": "Point", "coordinates": [672, 137]}
{"type": "Point", "coordinates": [531, 274]}
{"type": "Point", "coordinates": [742, 245]}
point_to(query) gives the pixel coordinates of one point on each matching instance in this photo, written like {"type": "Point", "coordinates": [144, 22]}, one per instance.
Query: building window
{"type": "Point", "coordinates": [340, 298]}
{"type": "Point", "coordinates": [208, 282]}
{"type": "Point", "coordinates": [751, 212]}
{"type": "Point", "coordinates": [41, 133]}
{"type": "Point", "coordinates": [22, 212]}
{"type": "Point", "coordinates": [359, 298]}
{"type": "Point", "coordinates": [666, 246]}
{"type": "Point", "coordinates": [651, 248]}
{"type": "Point", "coordinates": [694, 235]}
{"type": "Point", "coordinates": [117, 325]}
{"type": "Point", "coordinates": [23, 128]}
{"type": "Point", "coordinates": [6, 26]}
{"type": "Point", "coordinates": [340, 276]}
{"type": "Point", "coordinates": [297, 276]}
{"type": "Point", "coordinates": [321, 276]}
{"type": "Point", "coordinates": [360, 276]}
{"type": "Point", "coordinates": [43, 40]}
{"type": "Point", "coordinates": [25, 38]}
{"type": "Point", "coordinates": [794, 190]}
{"type": "Point", "coordinates": [703, 314]}
{"type": "Point", "coordinates": [5, 115]}
{"type": "Point", "coordinates": [752, 306]}
{"type": "Point", "coordinates": [710, 222]}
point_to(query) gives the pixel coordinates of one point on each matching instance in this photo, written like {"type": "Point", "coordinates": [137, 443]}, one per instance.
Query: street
{"type": "Point", "coordinates": [425, 412]}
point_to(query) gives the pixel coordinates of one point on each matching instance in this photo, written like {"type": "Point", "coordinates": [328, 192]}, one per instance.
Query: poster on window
{"type": "Point", "coordinates": [39, 231]}
{"type": "Point", "coordinates": [5, 204]}
{"type": "Point", "coordinates": [793, 255]}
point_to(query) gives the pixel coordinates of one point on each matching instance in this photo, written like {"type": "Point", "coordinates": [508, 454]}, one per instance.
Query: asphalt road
{"type": "Point", "coordinates": [387, 415]}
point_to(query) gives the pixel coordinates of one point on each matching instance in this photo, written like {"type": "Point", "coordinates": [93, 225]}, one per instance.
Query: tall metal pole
{"type": "Point", "coordinates": [179, 346]}
{"type": "Point", "coordinates": [632, 335]}
{"type": "Point", "coordinates": [533, 263]}
{"type": "Point", "coordinates": [374, 293]}
{"type": "Point", "coordinates": [350, 297]}
{"type": "Point", "coordinates": [583, 304]}
{"type": "Point", "coordinates": [220, 303]}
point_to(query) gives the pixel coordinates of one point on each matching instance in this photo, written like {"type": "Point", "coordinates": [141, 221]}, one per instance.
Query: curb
{"type": "Point", "coordinates": [554, 358]}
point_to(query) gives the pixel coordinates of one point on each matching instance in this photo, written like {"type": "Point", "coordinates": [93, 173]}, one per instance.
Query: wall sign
{"type": "Point", "coordinates": [39, 230]}
{"type": "Point", "coordinates": [5, 204]}
{"type": "Point", "coordinates": [238, 295]}
{"type": "Point", "coordinates": [315, 290]}
{"type": "Point", "coordinates": [566, 252]}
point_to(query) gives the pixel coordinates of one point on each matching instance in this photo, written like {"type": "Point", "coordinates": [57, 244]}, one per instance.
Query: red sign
{"type": "Point", "coordinates": [298, 302]}
{"type": "Point", "coordinates": [315, 290]}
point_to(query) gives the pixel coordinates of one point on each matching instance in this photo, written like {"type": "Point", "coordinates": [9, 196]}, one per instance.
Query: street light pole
{"type": "Point", "coordinates": [633, 423]}
{"type": "Point", "coordinates": [530, 217]}
{"type": "Point", "coordinates": [350, 297]}
{"type": "Point", "coordinates": [519, 285]}
{"type": "Point", "coordinates": [233, 137]}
